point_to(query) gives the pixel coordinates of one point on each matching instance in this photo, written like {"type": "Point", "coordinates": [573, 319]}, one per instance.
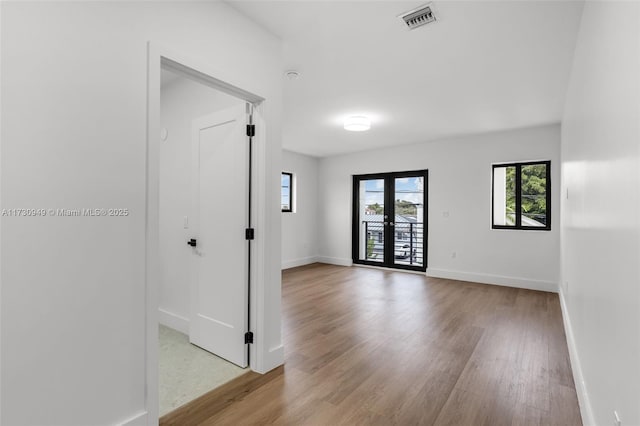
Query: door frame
{"type": "Point", "coordinates": [160, 57]}
{"type": "Point", "coordinates": [389, 201]}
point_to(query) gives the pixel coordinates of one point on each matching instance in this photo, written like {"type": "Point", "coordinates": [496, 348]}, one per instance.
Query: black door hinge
{"type": "Point", "coordinates": [249, 234]}
{"type": "Point", "coordinates": [251, 130]}
{"type": "Point", "coordinates": [248, 337]}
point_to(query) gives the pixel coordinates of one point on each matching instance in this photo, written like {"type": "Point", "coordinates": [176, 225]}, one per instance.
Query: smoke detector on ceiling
{"type": "Point", "coordinates": [292, 74]}
{"type": "Point", "coordinates": [418, 17]}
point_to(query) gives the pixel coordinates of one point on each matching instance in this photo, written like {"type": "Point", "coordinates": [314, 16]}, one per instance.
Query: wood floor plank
{"type": "Point", "coordinates": [524, 415]}
{"type": "Point", "coordinates": [426, 405]}
{"type": "Point", "coordinates": [559, 362]}
{"type": "Point", "coordinates": [477, 409]}
{"type": "Point", "coordinates": [218, 399]}
{"type": "Point", "coordinates": [564, 406]}
{"type": "Point", "coordinates": [368, 346]}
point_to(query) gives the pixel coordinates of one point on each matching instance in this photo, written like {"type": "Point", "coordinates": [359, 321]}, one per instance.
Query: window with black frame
{"type": "Point", "coordinates": [521, 196]}
{"type": "Point", "coordinates": [286, 192]}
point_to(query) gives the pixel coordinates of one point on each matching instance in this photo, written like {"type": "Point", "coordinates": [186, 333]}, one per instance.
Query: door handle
{"type": "Point", "coordinates": [192, 242]}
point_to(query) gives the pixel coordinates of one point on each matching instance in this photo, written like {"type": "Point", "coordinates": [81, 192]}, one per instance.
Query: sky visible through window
{"type": "Point", "coordinates": [408, 189]}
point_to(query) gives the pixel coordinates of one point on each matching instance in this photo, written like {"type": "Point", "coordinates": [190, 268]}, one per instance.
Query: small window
{"type": "Point", "coordinates": [286, 192]}
{"type": "Point", "coordinates": [521, 196]}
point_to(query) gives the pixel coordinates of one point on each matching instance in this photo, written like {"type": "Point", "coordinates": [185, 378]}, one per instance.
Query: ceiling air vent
{"type": "Point", "coordinates": [418, 17]}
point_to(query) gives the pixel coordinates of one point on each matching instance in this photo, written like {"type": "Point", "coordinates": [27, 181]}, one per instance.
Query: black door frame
{"type": "Point", "coordinates": [389, 210]}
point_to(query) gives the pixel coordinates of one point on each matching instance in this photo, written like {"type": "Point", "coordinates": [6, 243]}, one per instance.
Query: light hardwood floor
{"type": "Point", "coordinates": [368, 346]}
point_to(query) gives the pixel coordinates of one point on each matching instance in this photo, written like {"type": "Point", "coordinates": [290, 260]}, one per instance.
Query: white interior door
{"type": "Point", "coordinates": [220, 186]}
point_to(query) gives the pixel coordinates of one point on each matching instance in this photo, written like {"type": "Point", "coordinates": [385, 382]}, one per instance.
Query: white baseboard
{"type": "Point", "coordinates": [335, 261]}
{"type": "Point", "coordinates": [139, 419]}
{"type": "Point", "coordinates": [174, 321]}
{"type": "Point", "coordinates": [494, 279]}
{"type": "Point", "coordinates": [581, 389]}
{"type": "Point", "coordinates": [286, 264]}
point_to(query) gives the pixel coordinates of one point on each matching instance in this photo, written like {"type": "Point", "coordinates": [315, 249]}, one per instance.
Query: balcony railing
{"type": "Point", "coordinates": [408, 244]}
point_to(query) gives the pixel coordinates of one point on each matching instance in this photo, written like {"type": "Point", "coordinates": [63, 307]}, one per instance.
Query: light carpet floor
{"type": "Point", "coordinates": [187, 372]}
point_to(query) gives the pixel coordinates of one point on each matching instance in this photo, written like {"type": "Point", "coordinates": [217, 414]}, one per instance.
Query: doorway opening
{"type": "Point", "coordinates": [204, 172]}
{"type": "Point", "coordinates": [390, 220]}
{"type": "Point", "coordinates": [224, 325]}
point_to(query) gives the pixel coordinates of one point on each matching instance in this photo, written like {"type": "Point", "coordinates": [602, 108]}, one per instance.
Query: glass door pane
{"type": "Point", "coordinates": [371, 220]}
{"type": "Point", "coordinates": [389, 220]}
{"type": "Point", "coordinates": [408, 221]}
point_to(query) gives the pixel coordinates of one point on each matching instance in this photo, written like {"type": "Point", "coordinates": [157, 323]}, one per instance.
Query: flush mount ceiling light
{"type": "Point", "coordinates": [357, 123]}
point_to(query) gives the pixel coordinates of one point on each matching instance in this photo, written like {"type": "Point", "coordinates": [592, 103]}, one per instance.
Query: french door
{"type": "Point", "coordinates": [390, 220]}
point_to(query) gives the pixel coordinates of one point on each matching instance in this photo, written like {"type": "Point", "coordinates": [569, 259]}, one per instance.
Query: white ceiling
{"type": "Point", "coordinates": [483, 66]}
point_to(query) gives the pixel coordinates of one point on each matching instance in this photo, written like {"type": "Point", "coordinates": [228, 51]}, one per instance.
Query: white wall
{"type": "Point", "coordinates": [460, 184]}
{"type": "Point", "coordinates": [74, 93]}
{"type": "Point", "coordinates": [300, 228]}
{"type": "Point", "coordinates": [182, 100]}
{"type": "Point", "coordinates": [601, 220]}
